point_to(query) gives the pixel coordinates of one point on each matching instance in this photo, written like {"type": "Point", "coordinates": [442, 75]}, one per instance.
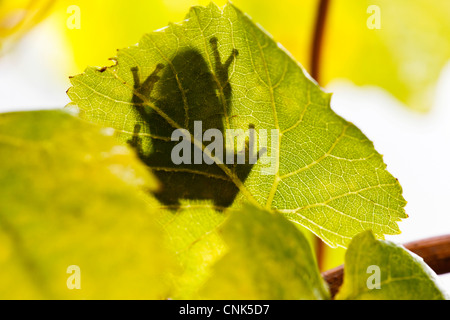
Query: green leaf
{"type": "Point", "coordinates": [193, 234]}
{"type": "Point", "coordinates": [402, 274]}
{"type": "Point", "coordinates": [267, 258]}
{"type": "Point", "coordinates": [220, 68]}
{"type": "Point", "coordinates": [71, 196]}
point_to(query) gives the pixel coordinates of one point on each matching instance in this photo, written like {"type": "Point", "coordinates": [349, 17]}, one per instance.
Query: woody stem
{"type": "Point", "coordinates": [316, 50]}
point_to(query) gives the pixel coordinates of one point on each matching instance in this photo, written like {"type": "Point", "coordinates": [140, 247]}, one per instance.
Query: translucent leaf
{"type": "Point", "coordinates": [267, 258]}
{"type": "Point", "coordinates": [376, 269]}
{"type": "Point", "coordinates": [219, 68]}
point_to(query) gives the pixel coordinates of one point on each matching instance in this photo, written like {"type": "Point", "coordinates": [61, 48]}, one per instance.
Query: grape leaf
{"type": "Point", "coordinates": [71, 196]}
{"type": "Point", "coordinates": [219, 68]}
{"type": "Point", "coordinates": [403, 275]}
{"type": "Point", "coordinates": [192, 230]}
{"type": "Point", "coordinates": [267, 258]}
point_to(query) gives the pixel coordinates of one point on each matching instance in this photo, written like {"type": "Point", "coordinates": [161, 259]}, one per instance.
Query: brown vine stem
{"type": "Point", "coordinates": [317, 41]}
{"type": "Point", "coordinates": [316, 51]}
{"type": "Point", "coordinates": [434, 251]}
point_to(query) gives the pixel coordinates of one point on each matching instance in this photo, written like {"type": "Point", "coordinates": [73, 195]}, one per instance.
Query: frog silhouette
{"type": "Point", "coordinates": [187, 91]}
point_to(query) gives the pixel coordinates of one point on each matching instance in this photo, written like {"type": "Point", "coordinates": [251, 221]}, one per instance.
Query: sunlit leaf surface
{"type": "Point", "coordinates": [258, 266]}
{"type": "Point", "coordinates": [219, 68]}
{"type": "Point", "coordinates": [381, 270]}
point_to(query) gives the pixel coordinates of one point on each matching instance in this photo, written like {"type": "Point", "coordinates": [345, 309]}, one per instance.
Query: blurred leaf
{"type": "Point", "coordinates": [403, 275]}
{"type": "Point", "coordinates": [19, 16]}
{"type": "Point", "coordinates": [71, 196]}
{"type": "Point", "coordinates": [405, 56]}
{"type": "Point", "coordinates": [99, 27]}
{"type": "Point", "coordinates": [267, 258]}
{"type": "Point", "coordinates": [327, 176]}
{"type": "Point", "coordinates": [110, 25]}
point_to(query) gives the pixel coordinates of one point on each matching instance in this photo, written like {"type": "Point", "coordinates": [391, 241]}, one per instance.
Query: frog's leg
{"type": "Point", "coordinates": [221, 69]}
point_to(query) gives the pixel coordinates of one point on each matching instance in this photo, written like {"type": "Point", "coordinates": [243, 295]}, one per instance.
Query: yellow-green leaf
{"type": "Point", "coordinates": [381, 270]}
{"type": "Point", "coordinates": [220, 68]}
{"type": "Point", "coordinates": [71, 196]}
{"type": "Point", "coordinates": [267, 258]}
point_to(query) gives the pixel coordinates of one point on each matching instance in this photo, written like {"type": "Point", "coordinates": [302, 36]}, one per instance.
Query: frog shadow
{"type": "Point", "coordinates": [187, 91]}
